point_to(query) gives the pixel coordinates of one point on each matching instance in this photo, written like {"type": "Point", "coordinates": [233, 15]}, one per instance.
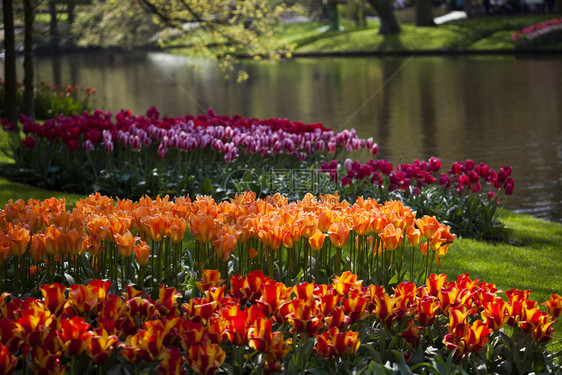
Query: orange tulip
{"type": "Point", "coordinates": [202, 227]}
{"type": "Point", "coordinates": [225, 243]}
{"type": "Point", "coordinates": [54, 241]}
{"type": "Point", "coordinates": [378, 222]}
{"type": "Point", "coordinates": [325, 219]}
{"type": "Point", "coordinates": [176, 230]}
{"type": "Point", "coordinates": [125, 243]}
{"type": "Point", "coordinates": [37, 248]}
{"type": "Point", "coordinates": [361, 223]}
{"type": "Point", "coordinates": [75, 242]}
{"type": "Point", "coordinates": [142, 253]}
{"type": "Point", "coordinates": [391, 237]}
{"type": "Point", "coordinates": [316, 241]}
{"type": "Point", "coordinates": [413, 236]}
{"type": "Point", "coordinates": [427, 226]}
{"type": "Point", "coordinates": [20, 238]}
{"type": "Point", "coordinates": [338, 234]}
{"type": "Point", "coordinates": [309, 223]}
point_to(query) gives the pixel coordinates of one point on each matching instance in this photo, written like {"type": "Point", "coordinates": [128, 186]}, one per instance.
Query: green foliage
{"type": "Point", "coordinates": [122, 24]}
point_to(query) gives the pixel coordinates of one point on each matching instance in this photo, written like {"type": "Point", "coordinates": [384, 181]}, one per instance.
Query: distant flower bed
{"type": "Point", "coordinates": [543, 33]}
{"type": "Point", "coordinates": [129, 156]}
{"type": "Point", "coordinates": [226, 135]}
{"type": "Point", "coordinates": [259, 323]}
{"type": "Point", "coordinates": [466, 188]}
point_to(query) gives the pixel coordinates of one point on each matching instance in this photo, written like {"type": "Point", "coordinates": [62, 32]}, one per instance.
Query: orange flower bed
{"type": "Point", "coordinates": [100, 236]}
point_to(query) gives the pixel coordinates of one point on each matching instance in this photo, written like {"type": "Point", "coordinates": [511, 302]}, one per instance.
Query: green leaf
{"type": "Point", "coordinates": [401, 362]}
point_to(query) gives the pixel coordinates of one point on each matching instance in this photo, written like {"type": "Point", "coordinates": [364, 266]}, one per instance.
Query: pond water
{"type": "Point", "coordinates": [494, 109]}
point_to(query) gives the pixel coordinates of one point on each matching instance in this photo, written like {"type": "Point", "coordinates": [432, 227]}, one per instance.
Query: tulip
{"type": "Point", "coordinates": [54, 297]}
{"type": "Point", "coordinates": [495, 313]}
{"type": "Point", "coordinates": [334, 343]}
{"type": "Point", "coordinates": [338, 234]}
{"type": "Point", "coordinates": [75, 335]}
{"type": "Point", "coordinates": [202, 227]}
{"type": "Point", "coordinates": [384, 308]}
{"type": "Point", "coordinates": [426, 310]}
{"type": "Point", "coordinates": [427, 226]}
{"type": "Point", "coordinates": [554, 305]}
{"type": "Point", "coordinates": [205, 358]}
{"type": "Point", "coordinates": [210, 279]}
{"type": "Point", "coordinates": [75, 242]}
{"type": "Point", "coordinates": [125, 243]}
{"type": "Point", "coordinates": [225, 244]}
{"type": "Point", "coordinates": [391, 237]}
{"type": "Point", "coordinates": [346, 282]}
{"type": "Point", "coordinates": [101, 347]}
{"type": "Point", "coordinates": [411, 335]}
{"type": "Point", "coordinates": [413, 236]}
{"type": "Point", "coordinates": [172, 362]}
{"type": "Point", "coordinates": [20, 238]}
{"type": "Point", "coordinates": [8, 360]}
{"type": "Point", "coordinates": [302, 316]}
{"type": "Point", "coordinates": [142, 253]}
{"type": "Point", "coordinates": [316, 241]}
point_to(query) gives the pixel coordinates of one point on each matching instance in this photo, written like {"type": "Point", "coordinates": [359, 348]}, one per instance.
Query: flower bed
{"type": "Point", "coordinates": [541, 34]}
{"type": "Point", "coordinates": [131, 156]}
{"type": "Point", "coordinates": [172, 240]}
{"type": "Point", "coordinates": [259, 323]}
{"type": "Point", "coordinates": [466, 196]}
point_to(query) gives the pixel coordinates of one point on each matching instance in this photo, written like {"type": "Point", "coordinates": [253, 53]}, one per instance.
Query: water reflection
{"type": "Point", "coordinates": [499, 110]}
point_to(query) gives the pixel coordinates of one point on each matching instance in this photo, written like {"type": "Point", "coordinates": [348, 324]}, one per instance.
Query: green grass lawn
{"type": "Point", "coordinates": [473, 35]}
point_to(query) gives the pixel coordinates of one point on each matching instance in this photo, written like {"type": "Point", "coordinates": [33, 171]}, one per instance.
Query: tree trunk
{"type": "Point", "coordinates": [468, 8]}
{"type": "Point", "coordinates": [424, 15]}
{"type": "Point", "coordinates": [10, 84]}
{"type": "Point", "coordinates": [389, 23]}
{"type": "Point", "coordinates": [28, 59]}
{"type": "Point", "coordinates": [53, 24]}
{"type": "Point", "coordinates": [70, 12]}
{"type": "Point", "coordinates": [558, 6]}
